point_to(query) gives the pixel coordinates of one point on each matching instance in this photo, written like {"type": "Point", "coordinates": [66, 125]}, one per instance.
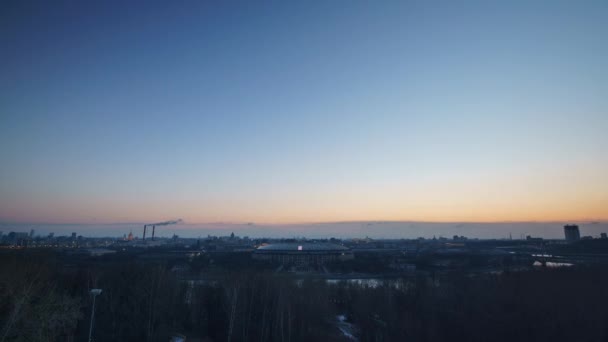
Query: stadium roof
{"type": "Point", "coordinates": [302, 246]}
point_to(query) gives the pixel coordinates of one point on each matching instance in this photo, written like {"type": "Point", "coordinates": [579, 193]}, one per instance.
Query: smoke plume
{"type": "Point", "coordinates": [166, 223]}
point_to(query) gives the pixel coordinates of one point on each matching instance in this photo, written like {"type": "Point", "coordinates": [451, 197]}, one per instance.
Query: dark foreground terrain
{"type": "Point", "coordinates": [44, 297]}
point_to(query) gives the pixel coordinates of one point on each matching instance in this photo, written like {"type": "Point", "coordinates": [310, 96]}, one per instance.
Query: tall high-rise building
{"type": "Point", "coordinates": [572, 233]}
{"type": "Point", "coordinates": [32, 233]}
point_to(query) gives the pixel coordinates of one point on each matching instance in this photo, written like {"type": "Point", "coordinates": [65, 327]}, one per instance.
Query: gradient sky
{"type": "Point", "coordinates": [280, 112]}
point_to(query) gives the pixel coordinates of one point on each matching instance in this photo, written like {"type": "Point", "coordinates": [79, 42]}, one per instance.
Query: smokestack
{"type": "Point", "coordinates": [165, 223]}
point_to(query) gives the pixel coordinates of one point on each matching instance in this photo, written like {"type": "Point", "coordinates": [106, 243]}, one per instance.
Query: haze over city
{"type": "Point", "coordinates": [282, 114]}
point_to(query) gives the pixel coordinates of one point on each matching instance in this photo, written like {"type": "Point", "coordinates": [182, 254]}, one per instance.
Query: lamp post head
{"type": "Point", "coordinates": [95, 292]}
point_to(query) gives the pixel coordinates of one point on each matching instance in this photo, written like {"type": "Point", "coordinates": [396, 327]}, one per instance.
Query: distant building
{"type": "Point", "coordinates": [602, 235]}
{"type": "Point", "coordinates": [17, 238]}
{"type": "Point", "coordinates": [459, 238]}
{"type": "Point", "coordinates": [533, 239]}
{"type": "Point", "coordinates": [572, 232]}
{"type": "Point", "coordinates": [73, 236]}
{"type": "Point", "coordinates": [32, 233]}
{"type": "Point", "coordinates": [303, 253]}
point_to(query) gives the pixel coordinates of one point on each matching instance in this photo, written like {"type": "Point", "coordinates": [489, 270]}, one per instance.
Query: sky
{"type": "Point", "coordinates": [300, 112]}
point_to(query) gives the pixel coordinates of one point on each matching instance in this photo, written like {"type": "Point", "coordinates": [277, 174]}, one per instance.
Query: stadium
{"type": "Point", "coordinates": [301, 254]}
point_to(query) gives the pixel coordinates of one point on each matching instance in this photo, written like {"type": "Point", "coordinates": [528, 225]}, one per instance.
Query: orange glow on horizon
{"type": "Point", "coordinates": [542, 197]}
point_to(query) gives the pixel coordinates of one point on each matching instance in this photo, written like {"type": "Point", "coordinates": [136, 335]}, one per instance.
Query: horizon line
{"type": "Point", "coordinates": [253, 223]}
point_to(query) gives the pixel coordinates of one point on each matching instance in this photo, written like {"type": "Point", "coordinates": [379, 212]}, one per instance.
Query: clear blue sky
{"type": "Point", "coordinates": [116, 111]}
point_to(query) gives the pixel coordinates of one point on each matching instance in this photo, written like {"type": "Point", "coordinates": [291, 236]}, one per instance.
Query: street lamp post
{"type": "Point", "coordinates": [95, 293]}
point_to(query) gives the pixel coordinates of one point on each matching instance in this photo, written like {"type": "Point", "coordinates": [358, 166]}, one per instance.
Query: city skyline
{"type": "Point", "coordinates": [343, 230]}
{"type": "Point", "coordinates": [278, 114]}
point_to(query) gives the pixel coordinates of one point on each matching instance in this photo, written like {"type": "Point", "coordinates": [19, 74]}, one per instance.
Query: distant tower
{"type": "Point", "coordinates": [572, 233]}
{"type": "Point", "coordinates": [130, 236]}
{"type": "Point", "coordinates": [32, 233]}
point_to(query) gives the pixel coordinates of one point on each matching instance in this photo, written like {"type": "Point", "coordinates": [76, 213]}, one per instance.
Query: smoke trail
{"type": "Point", "coordinates": [166, 223]}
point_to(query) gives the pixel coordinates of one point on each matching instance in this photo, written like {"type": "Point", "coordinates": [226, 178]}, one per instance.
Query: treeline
{"type": "Point", "coordinates": [44, 299]}
{"type": "Point", "coordinates": [37, 303]}
{"type": "Point", "coordinates": [544, 305]}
